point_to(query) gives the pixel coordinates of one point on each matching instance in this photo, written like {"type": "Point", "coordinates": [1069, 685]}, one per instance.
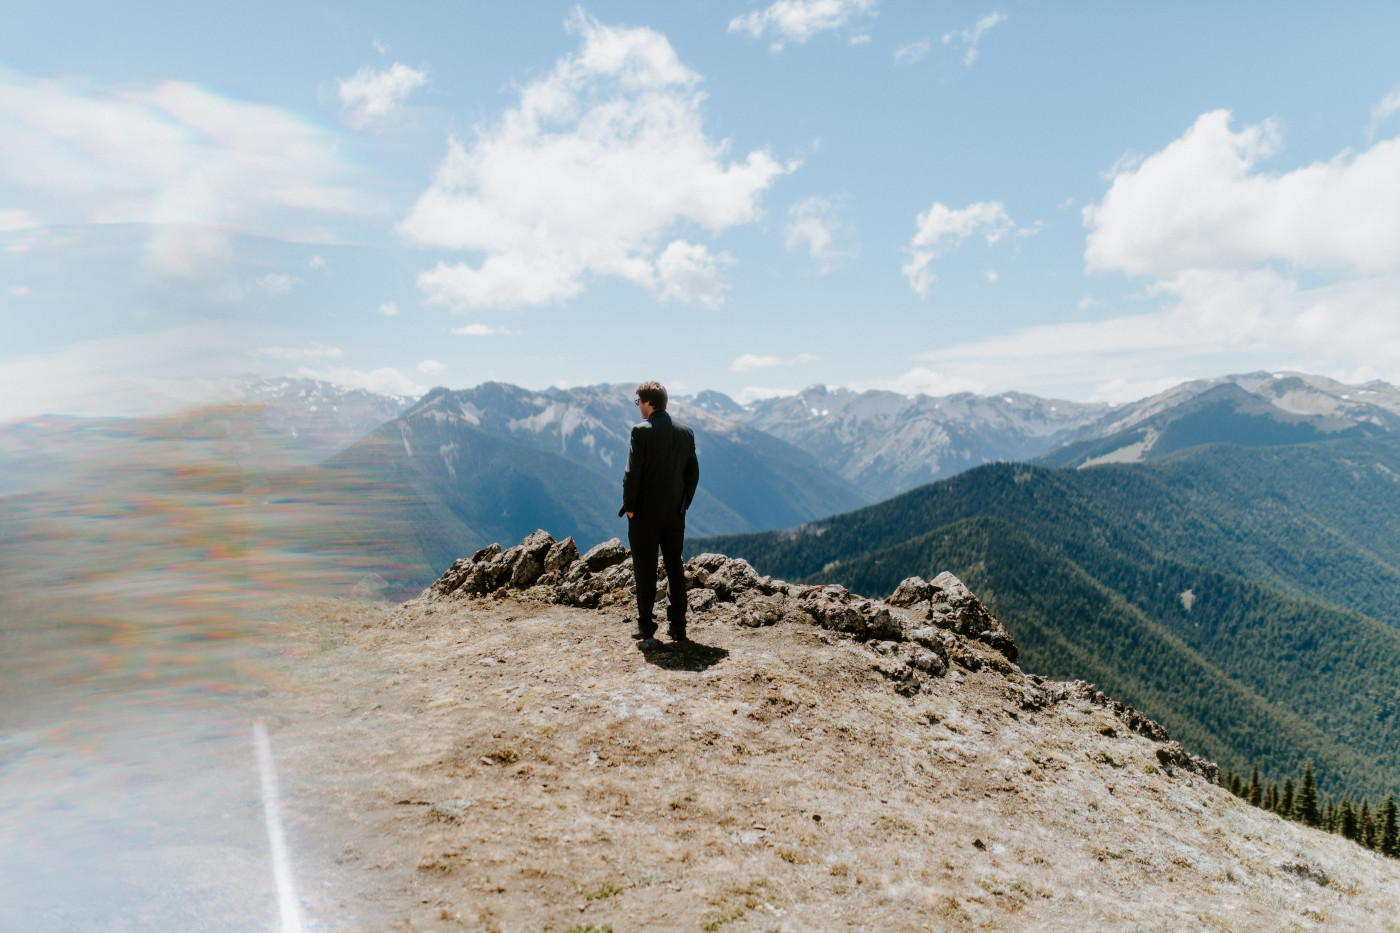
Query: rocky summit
{"type": "Point", "coordinates": [498, 754]}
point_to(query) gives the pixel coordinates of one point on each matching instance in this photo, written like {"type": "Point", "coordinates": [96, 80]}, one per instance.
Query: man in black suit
{"type": "Point", "coordinates": [657, 487]}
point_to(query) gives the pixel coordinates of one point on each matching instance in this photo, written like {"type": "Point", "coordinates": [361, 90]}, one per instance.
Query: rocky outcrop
{"type": "Point", "coordinates": [921, 632]}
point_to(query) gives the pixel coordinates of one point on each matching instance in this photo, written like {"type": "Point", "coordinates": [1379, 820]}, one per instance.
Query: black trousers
{"type": "Point", "coordinates": [645, 540]}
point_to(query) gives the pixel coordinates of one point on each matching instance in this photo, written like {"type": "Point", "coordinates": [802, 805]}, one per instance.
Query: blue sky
{"type": "Point", "coordinates": [1089, 200]}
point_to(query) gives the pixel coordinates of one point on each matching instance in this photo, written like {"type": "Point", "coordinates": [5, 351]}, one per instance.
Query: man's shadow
{"type": "Point", "coordinates": [684, 656]}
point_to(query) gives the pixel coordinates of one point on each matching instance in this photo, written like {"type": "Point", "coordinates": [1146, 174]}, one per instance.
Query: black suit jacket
{"type": "Point", "coordinates": [662, 472]}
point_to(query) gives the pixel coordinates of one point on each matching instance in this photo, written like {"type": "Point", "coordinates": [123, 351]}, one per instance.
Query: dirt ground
{"type": "Point", "coordinates": [507, 765]}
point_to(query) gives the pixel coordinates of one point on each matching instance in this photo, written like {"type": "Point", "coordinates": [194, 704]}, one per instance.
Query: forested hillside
{"type": "Point", "coordinates": [1248, 598]}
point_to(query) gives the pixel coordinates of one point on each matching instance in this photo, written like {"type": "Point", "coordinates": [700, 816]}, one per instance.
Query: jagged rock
{"type": "Point", "coordinates": [602, 556]}
{"type": "Point", "coordinates": [561, 556]}
{"type": "Point", "coordinates": [949, 604]}
{"type": "Point", "coordinates": [729, 577]}
{"type": "Point", "coordinates": [529, 563]}
{"type": "Point", "coordinates": [831, 607]}
{"type": "Point", "coordinates": [1171, 756]}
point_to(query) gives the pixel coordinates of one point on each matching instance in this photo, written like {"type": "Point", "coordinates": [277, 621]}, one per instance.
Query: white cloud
{"type": "Point", "coordinates": [480, 330]}
{"type": "Point", "coordinates": [298, 354]}
{"type": "Point", "coordinates": [1387, 107]}
{"type": "Point", "coordinates": [688, 272]}
{"type": "Point", "coordinates": [596, 168]}
{"type": "Point", "coordinates": [197, 165]}
{"type": "Point", "coordinates": [813, 225]}
{"type": "Point", "coordinates": [750, 394]}
{"type": "Point", "coordinates": [923, 381]}
{"type": "Point", "coordinates": [800, 20]}
{"type": "Point", "coordinates": [385, 381]}
{"type": "Point", "coordinates": [992, 275]}
{"type": "Point", "coordinates": [277, 283]}
{"type": "Point", "coordinates": [912, 52]}
{"type": "Point", "coordinates": [751, 361]}
{"type": "Point", "coordinates": [970, 37]}
{"type": "Point", "coordinates": [430, 367]}
{"type": "Point", "coordinates": [372, 95]}
{"type": "Point", "coordinates": [1201, 203]}
{"type": "Point", "coordinates": [389, 309]}
{"type": "Point", "coordinates": [941, 228]}
{"type": "Point", "coordinates": [316, 262]}
{"type": "Point", "coordinates": [1211, 321]}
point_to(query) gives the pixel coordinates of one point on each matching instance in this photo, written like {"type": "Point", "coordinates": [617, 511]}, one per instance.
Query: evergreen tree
{"type": "Point", "coordinates": [1285, 802]}
{"type": "Point", "coordinates": [1329, 815]}
{"type": "Point", "coordinates": [1366, 834]}
{"type": "Point", "coordinates": [1270, 797]}
{"type": "Point", "coordinates": [1233, 782]}
{"type": "Point", "coordinates": [1256, 792]}
{"type": "Point", "coordinates": [1305, 806]}
{"type": "Point", "coordinates": [1349, 823]}
{"type": "Point", "coordinates": [1389, 831]}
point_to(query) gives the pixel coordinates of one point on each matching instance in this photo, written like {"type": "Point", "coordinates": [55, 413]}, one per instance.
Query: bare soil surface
{"type": "Point", "coordinates": [502, 764]}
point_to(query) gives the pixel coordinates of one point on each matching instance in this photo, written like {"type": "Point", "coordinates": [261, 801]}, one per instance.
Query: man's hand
{"type": "Point", "coordinates": [629, 514]}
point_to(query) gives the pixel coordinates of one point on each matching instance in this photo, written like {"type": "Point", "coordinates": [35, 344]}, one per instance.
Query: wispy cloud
{"type": "Point", "coordinates": [800, 20]}
{"type": "Point", "coordinates": [389, 309]}
{"type": "Point", "coordinates": [194, 165]}
{"type": "Point", "coordinates": [912, 52]}
{"type": "Point", "coordinates": [385, 381]}
{"type": "Point", "coordinates": [970, 38]}
{"type": "Point", "coordinates": [595, 172]}
{"type": "Point", "coordinates": [750, 361]}
{"type": "Point", "coordinates": [430, 367]}
{"type": "Point", "coordinates": [941, 228]}
{"type": "Point", "coordinates": [372, 95]}
{"type": "Point", "coordinates": [1385, 108]}
{"type": "Point", "coordinates": [481, 330]}
{"type": "Point", "coordinates": [277, 283]}
{"type": "Point", "coordinates": [299, 354]}
{"type": "Point", "coordinates": [814, 226]}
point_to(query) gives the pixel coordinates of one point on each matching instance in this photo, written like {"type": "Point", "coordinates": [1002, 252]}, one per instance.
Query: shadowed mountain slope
{"type": "Point", "coordinates": [1219, 584]}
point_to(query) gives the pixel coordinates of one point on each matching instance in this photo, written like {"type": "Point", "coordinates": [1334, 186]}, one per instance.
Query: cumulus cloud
{"type": "Point", "coordinates": [389, 309]}
{"type": "Point", "coordinates": [480, 330]}
{"type": "Point", "coordinates": [593, 173]}
{"type": "Point", "coordinates": [941, 228]}
{"type": "Point", "coordinates": [813, 226]}
{"type": "Point", "coordinates": [751, 361]}
{"type": "Point", "coordinates": [197, 165]}
{"type": "Point", "coordinates": [1203, 203]}
{"type": "Point", "coordinates": [430, 367]}
{"type": "Point", "coordinates": [800, 20]}
{"type": "Point", "coordinates": [372, 95]}
{"type": "Point", "coordinates": [969, 38]}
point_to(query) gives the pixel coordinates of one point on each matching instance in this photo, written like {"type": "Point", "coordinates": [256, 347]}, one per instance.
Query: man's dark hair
{"type": "Point", "coordinates": [654, 394]}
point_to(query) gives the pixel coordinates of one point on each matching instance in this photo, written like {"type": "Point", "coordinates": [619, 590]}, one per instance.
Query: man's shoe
{"type": "Point", "coordinates": [648, 644]}
{"type": "Point", "coordinates": [641, 633]}
{"type": "Point", "coordinates": [675, 636]}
